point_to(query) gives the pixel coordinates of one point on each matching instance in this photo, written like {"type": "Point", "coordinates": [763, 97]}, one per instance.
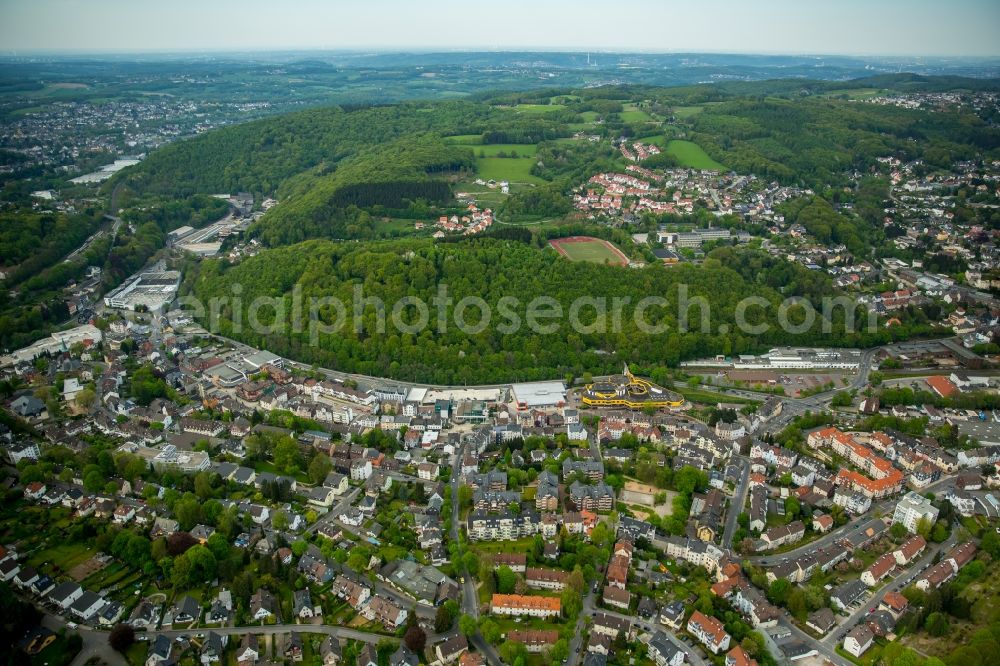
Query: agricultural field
{"type": "Point", "coordinates": [657, 140]}
{"type": "Point", "coordinates": [494, 149]}
{"type": "Point", "coordinates": [538, 108]}
{"type": "Point", "coordinates": [685, 112]}
{"type": "Point", "coordinates": [513, 169]}
{"type": "Point", "coordinates": [633, 114]}
{"type": "Point", "coordinates": [482, 195]}
{"type": "Point", "coordinates": [854, 93]}
{"type": "Point", "coordinates": [594, 250]}
{"type": "Point", "coordinates": [691, 155]}
{"type": "Point", "coordinates": [393, 226]}
{"type": "Point", "coordinates": [464, 139]}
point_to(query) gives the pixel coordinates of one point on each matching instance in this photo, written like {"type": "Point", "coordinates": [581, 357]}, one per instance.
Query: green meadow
{"type": "Point", "coordinates": [690, 154]}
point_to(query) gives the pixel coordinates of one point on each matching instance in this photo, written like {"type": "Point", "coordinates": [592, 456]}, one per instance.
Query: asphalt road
{"type": "Point", "coordinates": [95, 643]}
{"type": "Point", "coordinates": [326, 629]}
{"type": "Point", "coordinates": [338, 508]}
{"type": "Point", "coordinates": [470, 600]}
{"type": "Point", "coordinates": [737, 502]}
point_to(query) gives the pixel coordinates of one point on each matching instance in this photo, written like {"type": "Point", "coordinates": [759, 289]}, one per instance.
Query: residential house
{"type": "Point", "coordinates": [709, 631]}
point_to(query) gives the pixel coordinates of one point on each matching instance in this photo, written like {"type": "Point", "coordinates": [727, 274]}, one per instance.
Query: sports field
{"type": "Point", "coordinates": [690, 154]}
{"type": "Point", "coordinates": [585, 248]}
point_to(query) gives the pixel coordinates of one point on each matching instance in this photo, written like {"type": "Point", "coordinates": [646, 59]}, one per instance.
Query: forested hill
{"type": "Point", "coordinates": [331, 167]}
{"type": "Point", "coordinates": [391, 175]}
{"type": "Point", "coordinates": [261, 155]}
{"type": "Point", "coordinates": [492, 269]}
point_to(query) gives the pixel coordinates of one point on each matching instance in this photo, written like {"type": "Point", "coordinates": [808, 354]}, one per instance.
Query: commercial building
{"type": "Point", "coordinates": [59, 341]}
{"type": "Point", "coordinates": [789, 358]}
{"type": "Point", "coordinates": [539, 395]}
{"type": "Point", "coordinates": [154, 291]}
{"type": "Point", "coordinates": [170, 457]}
{"type": "Point", "coordinates": [629, 392]}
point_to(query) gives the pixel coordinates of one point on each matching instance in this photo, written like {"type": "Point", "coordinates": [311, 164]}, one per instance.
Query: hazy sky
{"type": "Point", "coordinates": [890, 27]}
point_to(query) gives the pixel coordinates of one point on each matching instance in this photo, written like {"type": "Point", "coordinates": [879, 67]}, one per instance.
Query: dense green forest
{"type": "Point", "coordinates": [492, 269]}
{"type": "Point", "coordinates": [320, 204]}
{"type": "Point", "coordinates": [39, 267]}
{"type": "Point", "coordinates": [169, 214]}
{"type": "Point", "coordinates": [260, 156]}
{"type": "Point", "coordinates": [33, 241]}
{"type": "Point", "coordinates": [815, 141]}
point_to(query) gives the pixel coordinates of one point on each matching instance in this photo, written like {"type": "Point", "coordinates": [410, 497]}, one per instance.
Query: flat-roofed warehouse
{"type": "Point", "coordinates": [258, 360]}
{"type": "Point", "coordinates": [154, 290]}
{"type": "Point", "coordinates": [539, 395]}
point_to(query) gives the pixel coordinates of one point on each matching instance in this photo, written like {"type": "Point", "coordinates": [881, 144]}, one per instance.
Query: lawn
{"type": "Point", "coordinates": [515, 546]}
{"type": "Point", "coordinates": [710, 397]}
{"type": "Point", "coordinates": [65, 556]}
{"type": "Point", "coordinates": [393, 226]}
{"type": "Point", "coordinates": [59, 653]}
{"type": "Point", "coordinates": [593, 250]}
{"type": "Point", "coordinates": [483, 196]}
{"type": "Point", "coordinates": [690, 154]}
{"type": "Point", "coordinates": [136, 653]}
{"type": "Point", "coordinates": [263, 466]}
{"type": "Point", "coordinates": [515, 170]}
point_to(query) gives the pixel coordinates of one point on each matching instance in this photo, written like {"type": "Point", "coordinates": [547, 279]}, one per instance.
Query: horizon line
{"type": "Point", "coordinates": [431, 50]}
